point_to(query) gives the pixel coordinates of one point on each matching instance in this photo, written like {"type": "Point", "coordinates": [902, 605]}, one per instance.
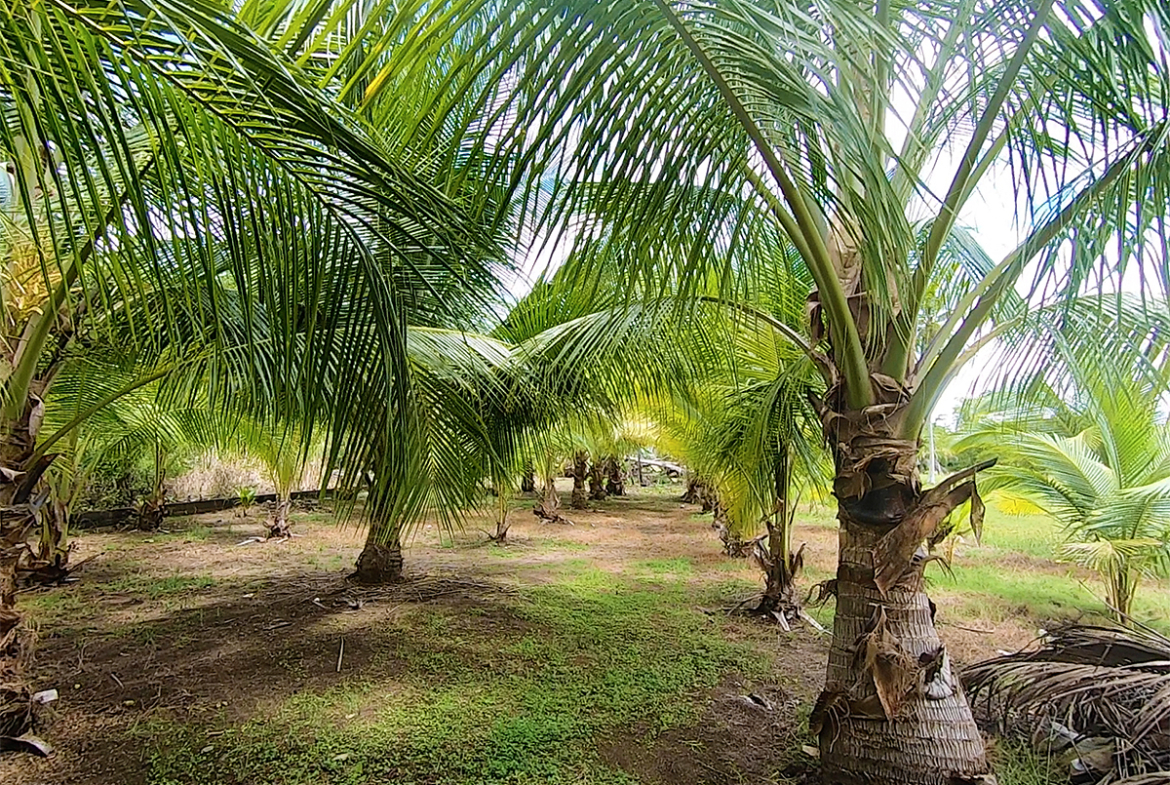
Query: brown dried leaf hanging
{"type": "Point", "coordinates": [894, 673]}
{"type": "Point", "coordinates": [977, 511]}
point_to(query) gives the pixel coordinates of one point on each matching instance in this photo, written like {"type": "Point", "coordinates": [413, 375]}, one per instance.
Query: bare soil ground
{"type": "Point", "coordinates": [179, 653]}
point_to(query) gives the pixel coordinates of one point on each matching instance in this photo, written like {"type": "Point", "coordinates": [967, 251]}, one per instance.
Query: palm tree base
{"type": "Point", "coordinates": [547, 515]}
{"type": "Point", "coordinates": [379, 563]}
{"type": "Point", "coordinates": [16, 704]}
{"type": "Point", "coordinates": [279, 525]}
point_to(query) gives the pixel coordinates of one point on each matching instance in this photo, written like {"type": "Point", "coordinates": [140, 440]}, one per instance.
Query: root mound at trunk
{"type": "Point", "coordinates": [550, 516]}
{"type": "Point", "coordinates": [379, 563]}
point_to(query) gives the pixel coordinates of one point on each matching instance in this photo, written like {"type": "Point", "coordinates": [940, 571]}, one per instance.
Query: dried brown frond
{"type": "Point", "coordinates": [1095, 684]}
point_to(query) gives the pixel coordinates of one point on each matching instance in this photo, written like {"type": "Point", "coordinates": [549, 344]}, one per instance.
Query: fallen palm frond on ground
{"type": "Point", "coordinates": [1095, 698]}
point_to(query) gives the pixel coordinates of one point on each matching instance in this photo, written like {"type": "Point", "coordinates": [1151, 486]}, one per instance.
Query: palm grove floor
{"type": "Point", "coordinates": [597, 653]}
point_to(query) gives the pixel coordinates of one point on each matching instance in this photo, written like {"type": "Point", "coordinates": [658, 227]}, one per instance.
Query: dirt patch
{"type": "Point", "coordinates": [233, 656]}
{"type": "Point", "coordinates": [748, 733]}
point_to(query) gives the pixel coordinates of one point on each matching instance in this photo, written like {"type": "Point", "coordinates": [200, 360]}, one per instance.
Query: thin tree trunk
{"type": "Point", "coordinates": [579, 499]}
{"type": "Point", "coordinates": [153, 510]}
{"type": "Point", "coordinates": [780, 564]}
{"type": "Point", "coordinates": [502, 524]}
{"type": "Point", "coordinates": [278, 524]}
{"type": "Point", "coordinates": [892, 712]}
{"type": "Point", "coordinates": [528, 479]}
{"type": "Point", "coordinates": [1123, 589]}
{"type": "Point", "coordinates": [380, 561]}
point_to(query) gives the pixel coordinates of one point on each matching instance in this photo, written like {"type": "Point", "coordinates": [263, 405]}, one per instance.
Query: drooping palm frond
{"type": "Point", "coordinates": [1087, 688]}
{"type": "Point", "coordinates": [624, 100]}
{"type": "Point", "coordinates": [1109, 483]}
{"type": "Point", "coordinates": [214, 210]}
{"type": "Point", "coordinates": [102, 418]}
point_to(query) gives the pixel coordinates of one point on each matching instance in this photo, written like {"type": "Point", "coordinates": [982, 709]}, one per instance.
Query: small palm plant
{"type": "Point", "coordinates": [282, 452]}
{"type": "Point", "coordinates": [1108, 482]}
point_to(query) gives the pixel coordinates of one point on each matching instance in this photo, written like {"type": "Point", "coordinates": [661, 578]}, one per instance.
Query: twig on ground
{"type": "Point", "coordinates": [970, 629]}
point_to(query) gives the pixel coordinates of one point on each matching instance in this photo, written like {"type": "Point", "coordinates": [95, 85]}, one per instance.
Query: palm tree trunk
{"type": "Point", "coordinates": [17, 441]}
{"type": "Point", "coordinates": [550, 499]}
{"type": "Point", "coordinates": [615, 483]}
{"type": "Point", "coordinates": [892, 712]}
{"type": "Point", "coordinates": [278, 525]}
{"type": "Point", "coordinates": [502, 524]}
{"type": "Point", "coordinates": [1123, 588]}
{"type": "Point", "coordinates": [597, 490]}
{"type": "Point", "coordinates": [548, 508]}
{"type": "Point", "coordinates": [781, 564]}
{"type": "Point", "coordinates": [579, 499]}
{"type": "Point", "coordinates": [380, 561]}
{"type": "Point", "coordinates": [153, 510]}
{"type": "Point", "coordinates": [733, 545]}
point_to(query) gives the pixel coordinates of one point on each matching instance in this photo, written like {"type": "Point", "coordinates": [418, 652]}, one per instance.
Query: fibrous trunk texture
{"type": "Point", "coordinates": [381, 558]}
{"type": "Point", "coordinates": [278, 524]}
{"type": "Point", "coordinates": [17, 481]}
{"type": "Point", "coordinates": [733, 545]}
{"type": "Point", "coordinates": [615, 482]}
{"type": "Point", "coordinates": [16, 705]}
{"type": "Point", "coordinates": [579, 499]}
{"type": "Point", "coordinates": [151, 514]}
{"type": "Point", "coordinates": [773, 551]}
{"type": "Point", "coordinates": [597, 490]}
{"type": "Point", "coordinates": [548, 508]}
{"type": "Point", "coordinates": [780, 596]}
{"type": "Point", "coordinates": [892, 712]}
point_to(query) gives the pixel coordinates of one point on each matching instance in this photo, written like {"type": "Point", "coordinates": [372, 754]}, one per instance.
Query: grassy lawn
{"type": "Point", "coordinates": [598, 653]}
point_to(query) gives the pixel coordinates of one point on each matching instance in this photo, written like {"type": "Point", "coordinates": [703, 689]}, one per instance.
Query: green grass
{"type": "Point", "coordinates": [594, 656]}
{"type": "Point", "coordinates": [53, 609]}
{"type": "Point", "coordinates": [1001, 593]}
{"type": "Point", "coordinates": [1016, 764]}
{"type": "Point", "coordinates": [665, 568]}
{"type": "Point", "coordinates": [528, 689]}
{"type": "Point", "coordinates": [1031, 535]}
{"type": "Point", "coordinates": [157, 588]}
{"type": "Point", "coordinates": [1013, 573]}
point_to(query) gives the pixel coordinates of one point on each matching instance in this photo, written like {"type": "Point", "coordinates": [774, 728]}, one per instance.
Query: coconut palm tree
{"type": "Point", "coordinates": [844, 125]}
{"type": "Point", "coordinates": [1108, 481]}
{"type": "Point", "coordinates": [458, 380]}
{"type": "Point", "coordinates": [186, 184]}
{"type": "Point", "coordinates": [136, 427]}
{"type": "Point", "coordinates": [283, 453]}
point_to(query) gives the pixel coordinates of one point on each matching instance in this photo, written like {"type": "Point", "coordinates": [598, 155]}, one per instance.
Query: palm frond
{"type": "Point", "coordinates": [1101, 683]}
